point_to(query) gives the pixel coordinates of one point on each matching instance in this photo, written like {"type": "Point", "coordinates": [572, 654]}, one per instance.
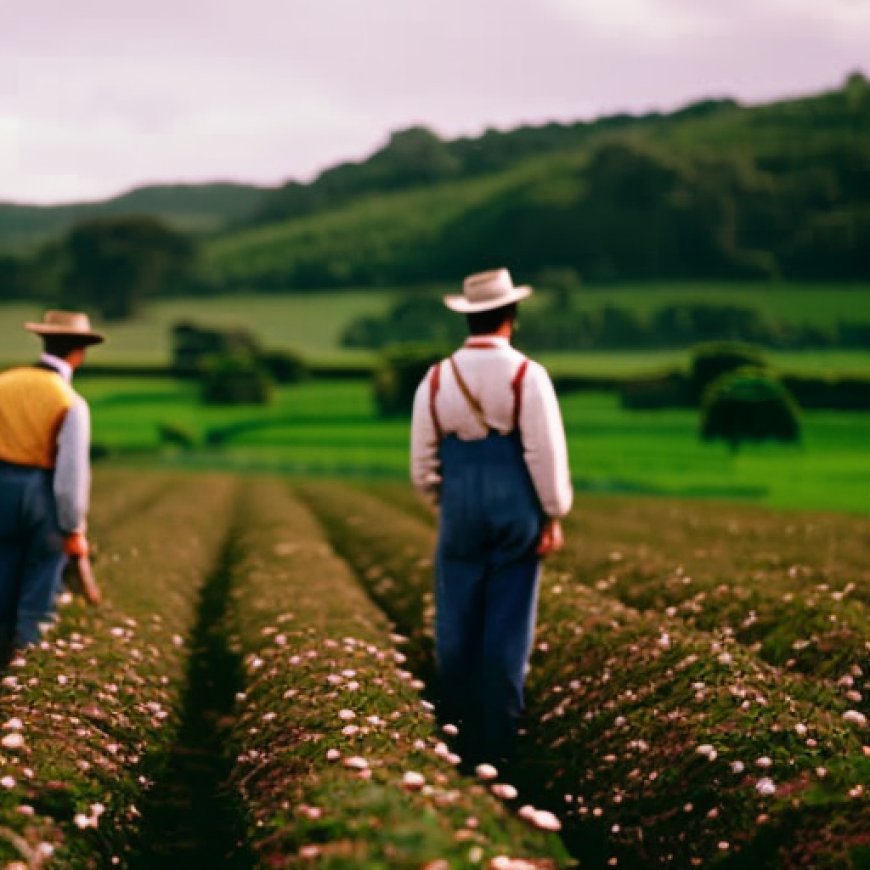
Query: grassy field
{"type": "Point", "coordinates": [312, 323]}
{"type": "Point", "coordinates": [331, 428]}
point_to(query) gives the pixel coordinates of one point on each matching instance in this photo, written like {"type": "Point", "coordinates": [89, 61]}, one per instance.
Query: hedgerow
{"type": "Point", "coordinates": [88, 716]}
{"type": "Point", "coordinates": [337, 755]}
{"type": "Point", "coordinates": [666, 744]}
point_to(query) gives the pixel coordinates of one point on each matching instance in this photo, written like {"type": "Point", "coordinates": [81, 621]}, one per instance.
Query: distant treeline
{"type": "Point", "coordinates": [558, 325]}
{"type": "Point", "coordinates": [715, 191]}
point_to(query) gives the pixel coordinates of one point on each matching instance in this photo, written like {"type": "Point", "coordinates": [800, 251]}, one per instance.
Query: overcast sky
{"type": "Point", "coordinates": [98, 96]}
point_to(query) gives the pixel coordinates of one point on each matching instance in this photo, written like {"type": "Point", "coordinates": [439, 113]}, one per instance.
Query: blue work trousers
{"type": "Point", "coordinates": [486, 590]}
{"type": "Point", "coordinates": [31, 553]}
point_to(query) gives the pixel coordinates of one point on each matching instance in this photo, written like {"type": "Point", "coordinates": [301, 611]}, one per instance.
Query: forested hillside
{"type": "Point", "coordinates": [191, 207]}
{"type": "Point", "coordinates": [716, 190]}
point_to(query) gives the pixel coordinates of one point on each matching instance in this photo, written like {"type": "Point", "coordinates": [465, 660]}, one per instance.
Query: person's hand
{"type": "Point", "coordinates": [551, 538]}
{"type": "Point", "coordinates": [75, 545]}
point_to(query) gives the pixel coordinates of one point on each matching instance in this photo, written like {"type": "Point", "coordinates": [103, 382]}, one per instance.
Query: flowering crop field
{"type": "Point", "coordinates": [255, 691]}
{"type": "Point", "coordinates": [89, 716]}
{"type": "Point", "coordinates": [338, 756]}
{"type": "Point", "coordinates": [698, 686]}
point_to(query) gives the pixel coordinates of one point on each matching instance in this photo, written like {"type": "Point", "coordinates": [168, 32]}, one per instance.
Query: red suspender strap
{"type": "Point", "coordinates": [517, 387]}
{"type": "Point", "coordinates": [434, 384]}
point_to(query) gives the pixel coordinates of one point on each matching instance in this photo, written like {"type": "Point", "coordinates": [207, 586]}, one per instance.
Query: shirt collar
{"type": "Point", "coordinates": [487, 341]}
{"type": "Point", "coordinates": [63, 368]}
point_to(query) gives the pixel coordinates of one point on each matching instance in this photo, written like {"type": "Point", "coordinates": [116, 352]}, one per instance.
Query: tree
{"type": "Point", "coordinates": [396, 378]}
{"type": "Point", "coordinates": [112, 264]}
{"type": "Point", "coordinates": [749, 405]}
{"type": "Point", "coordinates": [711, 361]}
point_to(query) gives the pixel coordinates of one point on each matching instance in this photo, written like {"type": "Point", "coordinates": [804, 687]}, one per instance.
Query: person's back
{"type": "Point", "coordinates": [33, 403]}
{"type": "Point", "coordinates": [488, 444]}
{"type": "Point", "coordinates": [44, 478]}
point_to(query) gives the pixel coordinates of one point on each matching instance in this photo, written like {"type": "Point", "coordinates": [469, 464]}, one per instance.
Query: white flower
{"type": "Point", "coordinates": [855, 718]}
{"type": "Point", "coordinates": [504, 790]}
{"type": "Point", "coordinates": [737, 767]}
{"type": "Point", "coordinates": [13, 740]}
{"type": "Point", "coordinates": [332, 755]}
{"type": "Point", "coordinates": [707, 750]}
{"type": "Point", "coordinates": [765, 786]}
{"type": "Point", "coordinates": [546, 821]}
{"type": "Point", "coordinates": [486, 771]}
{"type": "Point", "coordinates": [800, 729]}
{"type": "Point", "coordinates": [346, 715]}
{"type": "Point", "coordinates": [763, 762]}
{"type": "Point", "coordinates": [413, 780]}
{"type": "Point", "coordinates": [14, 724]}
{"type": "Point", "coordinates": [356, 762]}
{"type": "Point", "coordinates": [8, 782]}
{"type": "Point", "coordinates": [450, 729]}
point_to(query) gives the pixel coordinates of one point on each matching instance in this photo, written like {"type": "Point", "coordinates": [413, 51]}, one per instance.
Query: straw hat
{"type": "Point", "coordinates": [485, 291]}
{"type": "Point", "coordinates": [71, 323]}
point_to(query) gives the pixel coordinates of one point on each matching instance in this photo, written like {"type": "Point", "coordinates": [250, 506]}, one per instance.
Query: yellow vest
{"type": "Point", "coordinates": [33, 405]}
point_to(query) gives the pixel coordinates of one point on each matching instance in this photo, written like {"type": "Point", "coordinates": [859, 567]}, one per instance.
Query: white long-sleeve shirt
{"type": "Point", "coordinates": [489, 372]}
{"type": "Point", "coordinates": [72, 470]}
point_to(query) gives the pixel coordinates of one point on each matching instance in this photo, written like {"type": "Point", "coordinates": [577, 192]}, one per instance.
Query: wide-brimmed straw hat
{"type": "Point", "coordinates": [74, 324]}
{"type": "Point", "coordinates": [484, 291]}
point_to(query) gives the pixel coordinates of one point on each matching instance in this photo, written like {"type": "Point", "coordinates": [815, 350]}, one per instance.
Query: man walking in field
{"type": "Point", "coordinates": [488, 443]}
{"type": "Point", "coordinates": [44, 478]}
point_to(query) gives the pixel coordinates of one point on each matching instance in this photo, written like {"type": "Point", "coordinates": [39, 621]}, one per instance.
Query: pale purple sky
{"type": "Point", "coordinates": [98, 96]}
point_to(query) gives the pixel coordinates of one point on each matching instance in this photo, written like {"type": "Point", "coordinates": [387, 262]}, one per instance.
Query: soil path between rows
{"type": "Point", "coordinates": [192, 818]}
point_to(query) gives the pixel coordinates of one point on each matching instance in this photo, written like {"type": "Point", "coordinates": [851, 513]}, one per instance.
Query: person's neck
{"type": "Point", "coordinates": [504, 331]}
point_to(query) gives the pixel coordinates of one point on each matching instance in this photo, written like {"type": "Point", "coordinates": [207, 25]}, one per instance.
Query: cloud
{"type": "Point", "coordinates": [97, 95]}
{"type": "Point", "coordinates": [650, 19]}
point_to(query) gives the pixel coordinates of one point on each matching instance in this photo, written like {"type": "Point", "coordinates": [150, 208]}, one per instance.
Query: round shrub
{"type": "Point", "coordinates": [234, 379]}
{"type": "Point", "coordinates": [711, 361]}
{"type": "Point", "coordinates": [284, 366]}
{"type": "Point", "coordinates": [397, 375]}
{"type": "Point", "coordinates": [749, 405]}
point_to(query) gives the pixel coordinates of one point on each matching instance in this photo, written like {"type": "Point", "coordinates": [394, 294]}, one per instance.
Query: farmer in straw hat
{"type": "Point", "coordinates": [44, 478]}
{"type": "Point", "coordinates": [488, 443]}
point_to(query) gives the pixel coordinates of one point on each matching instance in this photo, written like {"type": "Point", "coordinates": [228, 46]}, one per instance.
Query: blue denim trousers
{"type": "Point", "coordinates": [486, 590]}
{"type": "Point", "coordinates": [31, 553]}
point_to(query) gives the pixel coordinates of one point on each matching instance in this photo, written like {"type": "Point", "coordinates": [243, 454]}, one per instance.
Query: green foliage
{"type": "Point", "coordinates": [192, 344]}
{"type": "Point", "coordinates": [412, 319]}
{"type": "Point", "coordinates": [284, 366]}
{"type": "Point", "coordinates": [400, 371]}
{"type": "Point", "coordinates": [234, 379]}
{"type": "Point", "coordinates": [749, 404]}
{"type": "Point", "coordinates": [113, 264]}
{"type": "Point", "coordinates": [711, 361]}
{"type": "Point", "coordinates": [176, 435]}
{"type": "Point", "coordinates": [20, 279]}
{"type": "Point", "coordinates": [196, 208]}
{"type": "Point", "coordinates": [718, 191]}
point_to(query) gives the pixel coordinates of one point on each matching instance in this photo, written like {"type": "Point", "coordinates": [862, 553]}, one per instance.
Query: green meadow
{"type": "Point", "coordinates": [312, 323]}
{"type": "Point", "coordinates": [330, 428]}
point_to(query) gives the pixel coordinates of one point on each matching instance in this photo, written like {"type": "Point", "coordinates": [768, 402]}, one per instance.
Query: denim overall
{"type": "Point", "coordinates": [31, 553]}
{"type": "Point", "coordinates": [486, 589]}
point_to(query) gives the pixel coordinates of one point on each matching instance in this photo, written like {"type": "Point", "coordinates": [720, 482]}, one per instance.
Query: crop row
{"type": "Point", "coordinates": [665, 743]}
{"type": "Point", "coordinates": [89, 715]}
{"type": "Point", "coordinates": [794, 588]}
{"type": "Point", "coordinates": [338, 757]}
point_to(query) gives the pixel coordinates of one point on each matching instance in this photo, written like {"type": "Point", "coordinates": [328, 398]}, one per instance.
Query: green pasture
{"type": "Point", "coordinates": [312, 323]}
{"type": "Point", "coordinates": [330, 427]}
